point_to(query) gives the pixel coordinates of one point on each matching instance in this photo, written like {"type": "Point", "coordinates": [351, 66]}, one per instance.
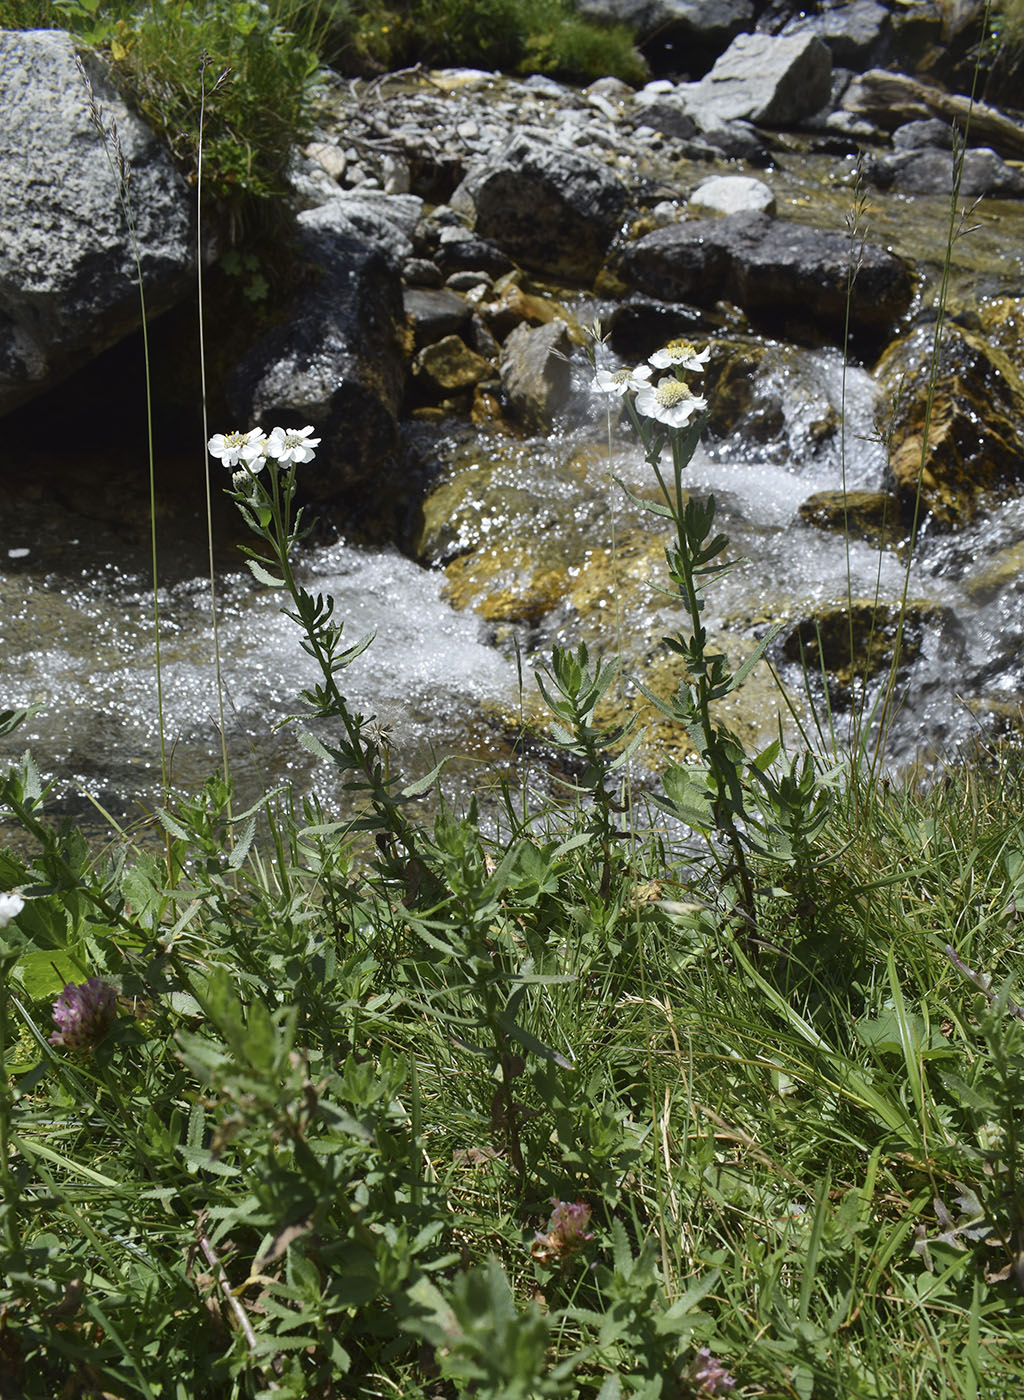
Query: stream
{"type": "Point", "coordinates": [443, 673]}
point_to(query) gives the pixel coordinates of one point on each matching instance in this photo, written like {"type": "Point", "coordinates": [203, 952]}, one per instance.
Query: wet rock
{"type": "Point", "coordinates": [386, 221]}
{"type": "Point", "coordinates": [733, 194]}
{"type": "Point", "coordinates": [447, 368]}
{"type": "Point", "coordinates": [997, 574]}
{"type": "Point", "coordinates": [976, 426]}
{"type": "Point", "coordinates": [549, 208]}
{"type": "Point", "coordinates": [822, 642]}
{"type": "Point", "coordinates": [535, 373]}
{"type": "Point", "coordinates": [786, 276]}
{"type": "Point", "coordinates": [931, 171]}
{"type": "Point", "coordinates": [434, 313]}
{"type": "Point", "coordinates": [863, 515]}
{"type": "Point", "coordinates": [68, 282]}
{"type": "Point", "coordinates": [765, 80]}
{"type": "Point", "coordinates": [639, 326]}
{"type": "Point", "coordinates": [461, 252]}
{"type": "Point", "coordinates": [513, 306]}
{"type": "Point", "coordinates": [336, 362]}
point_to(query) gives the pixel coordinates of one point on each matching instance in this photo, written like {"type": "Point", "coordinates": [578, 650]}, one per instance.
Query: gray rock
{"type": "Point", "coordinates": [535, 373]}
{"type": "Point", "coordinates": [915, 136]}
{"type": "Point", "coordinates": [857, 32]}
{"type": "Point", "coordinates": [930, 171]}
{"type": "Point", "coordinates": [336, 363]}
{"type": "Point", "coordinates": [733, 194]}
{"type": "Point", "coordinates": [766, 80]}
{"type": "Point", "coordinates": [68, 280]}
{"type": "Point", "coordinates": [386, 220]}
{"type": "Point", "coordinates": [549, 208]}
{"type": "Point", "coordinates": [784, 275]}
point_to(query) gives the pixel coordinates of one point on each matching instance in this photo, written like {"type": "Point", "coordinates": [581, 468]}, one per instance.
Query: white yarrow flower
{"type": "Point", "coordinates": [291, 445]}
{"type": "Point", "coordinates": [619, 382]}
{"type": "Point", "coordinates": [11, 906]}
{"type": "Point", "coordinates": [681, 354]}
{"type": "Point", "coordinates": [235, 448]}
{"type": "Point", "coordinates": [669, 402]}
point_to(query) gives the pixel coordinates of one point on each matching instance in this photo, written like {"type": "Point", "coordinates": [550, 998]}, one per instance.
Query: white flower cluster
{"type": "Point", "coordinates": [251, 450]}
{"type": "Point", "coordinates": [11, 906]}
{"type": "Point", "coordinates": [669, 400]}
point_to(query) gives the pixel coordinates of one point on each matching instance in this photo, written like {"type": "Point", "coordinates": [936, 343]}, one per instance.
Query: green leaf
{"type": "Point", "coordinates": [45, 972]}
{"type": "Point", "coordinates": [263, 576]}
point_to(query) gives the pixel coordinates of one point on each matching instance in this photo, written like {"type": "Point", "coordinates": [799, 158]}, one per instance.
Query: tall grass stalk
{"type": "Point", "coordinates": [222, 78]}
{"type": "Point", "coordinates": [121, 171]}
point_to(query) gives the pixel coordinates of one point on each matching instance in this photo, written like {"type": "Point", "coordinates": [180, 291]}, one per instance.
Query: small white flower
{"type": "Point", "coordinates": [669, 402]}
{"type": "Point", "coordinates": [619, 382]}
{"type": "Point", "coordinates": [11, 906]}
{"type": "Point", "coordinates": [233, 448]}
{"type": "Point", "coordinates": [292, 445]}
{"type": "Point", "coordinates": [681, 354]}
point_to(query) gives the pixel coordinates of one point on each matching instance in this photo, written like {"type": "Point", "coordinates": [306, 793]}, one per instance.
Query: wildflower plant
{"type": "Point", "coordinates": [263, 486]}
{"type": "Point", "coordinates": [668, 416]}
{"type": "Point", "coordinates": [83, 1014]}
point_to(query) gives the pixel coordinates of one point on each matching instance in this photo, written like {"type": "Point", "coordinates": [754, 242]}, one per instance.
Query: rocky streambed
{"type": "Point", "coordinates": [463, 233]}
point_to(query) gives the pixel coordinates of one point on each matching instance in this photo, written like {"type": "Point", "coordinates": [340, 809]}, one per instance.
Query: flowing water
{"type": "Point", "coordinates": [76, 625]}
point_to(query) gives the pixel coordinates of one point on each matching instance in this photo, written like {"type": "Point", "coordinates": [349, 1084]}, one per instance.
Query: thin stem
{"type": "Point", "coordinates": [204, 62]}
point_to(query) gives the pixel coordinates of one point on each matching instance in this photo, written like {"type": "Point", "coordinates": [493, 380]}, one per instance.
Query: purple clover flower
{"type": "Point", "coordinates": [83, 1014]}
{"type": "Point", "coordinates": [567, 1232]}
{"type": "Point", "coordinates": [709, 1376]}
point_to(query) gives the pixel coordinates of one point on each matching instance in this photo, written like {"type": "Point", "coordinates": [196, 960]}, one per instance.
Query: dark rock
{"type": "Point", "coordinates": [336, 363]}
{"type": "Point", "coordinates": [469, 254]}
{"type": "Point", "coordinates": [422, 272]}
{"type": "Point", "coordinates": [549, 208]}
{"type": "Point", "coordinates": [677, 36]}
{"type": "Point", "coordinates": [925, 133]}
{"type": "Point", "coordinates": [434, 314]}
{"type": "Point", "coordinates": [783, 275]}
{"type": "Point", "coordinates": [638, 327]}
{"type": "Point", "coordinates": [68, 280]}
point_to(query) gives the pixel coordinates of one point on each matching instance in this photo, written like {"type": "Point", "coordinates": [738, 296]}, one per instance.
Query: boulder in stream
{"type": "Point", "coordinates": [68, 277]}
{"type": "Point", "coordinates": [785, 276]}
{"type": "Point", "coordinates": [337, 362]}
{"type": "Point", "coordinates": [550, 208]}
{"type": "Point", "coordinates": [975, 422]}
{"type": "Point", "coordinates": [535, 373]}
{"type": "Point", "coordinates": [765, 80]}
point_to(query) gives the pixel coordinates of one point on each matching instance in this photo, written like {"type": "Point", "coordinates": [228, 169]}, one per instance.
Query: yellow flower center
{"type": "Point", "coordinates": [670, 393]}
{"type": "Point", "coordinates": [680, 349]}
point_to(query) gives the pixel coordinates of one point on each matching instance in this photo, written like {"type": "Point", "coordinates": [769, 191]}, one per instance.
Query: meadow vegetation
{"type": "Point", "coordinates": [717, 1091]}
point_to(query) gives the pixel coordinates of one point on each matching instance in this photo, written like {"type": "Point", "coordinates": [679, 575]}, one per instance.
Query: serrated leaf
{"type": "Point", "coordinates": [263, 576]}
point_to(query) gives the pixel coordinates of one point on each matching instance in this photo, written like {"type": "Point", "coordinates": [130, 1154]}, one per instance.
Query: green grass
{"type": "Point", "coordinates": [358, 1084]}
